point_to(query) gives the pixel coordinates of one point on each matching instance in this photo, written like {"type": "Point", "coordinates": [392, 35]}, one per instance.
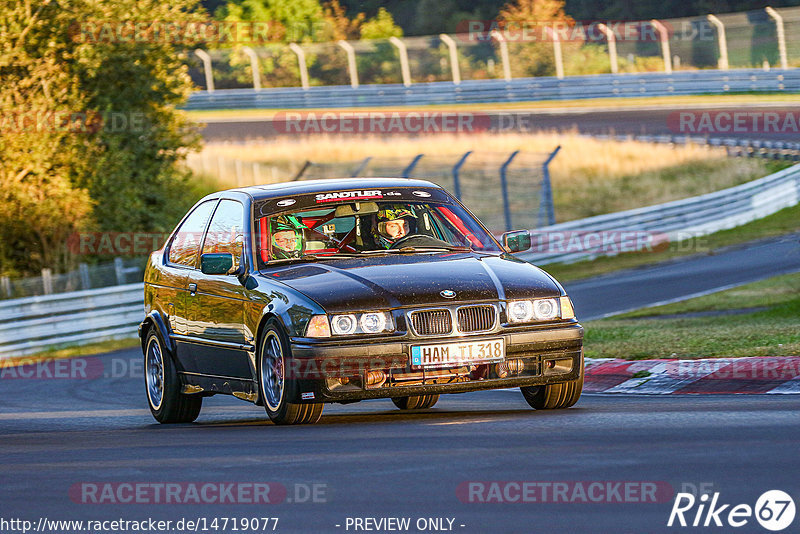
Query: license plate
{"type": "Point", "coordinates": [460, 353]}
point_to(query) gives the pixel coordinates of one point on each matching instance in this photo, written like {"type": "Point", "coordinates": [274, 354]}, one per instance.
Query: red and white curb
{"type": "Point", "coordinates": [774, 375]}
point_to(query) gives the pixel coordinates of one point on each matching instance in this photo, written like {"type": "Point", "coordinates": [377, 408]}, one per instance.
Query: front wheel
{"type": "Point", "coordinates": [167, 402]}
{"type": "Point", "coordinates": [275, 387]}
{"type": "Point", "coordinates": [554, 396]}
{"type": "Point", "coordinates": [415, 402]}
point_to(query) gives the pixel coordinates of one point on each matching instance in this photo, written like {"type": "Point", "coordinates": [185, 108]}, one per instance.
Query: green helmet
{"type": "Point", "coordinates": [284, 223]}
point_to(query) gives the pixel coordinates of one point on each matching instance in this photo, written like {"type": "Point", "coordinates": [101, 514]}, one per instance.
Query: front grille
{"type": "Point", "coordinates": [432, 322]}
{"type": "Point", "coordinates": [476, 318]}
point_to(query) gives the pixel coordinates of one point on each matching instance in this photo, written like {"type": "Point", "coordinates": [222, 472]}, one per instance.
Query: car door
{"type": "Point", "coordinates": [182, 257]}
{"type": "Point", "coordinates": [216, 307]}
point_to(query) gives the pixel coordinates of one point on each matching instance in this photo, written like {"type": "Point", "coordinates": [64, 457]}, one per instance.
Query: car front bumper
{"type": "Point", "coordinates": [336, 371]}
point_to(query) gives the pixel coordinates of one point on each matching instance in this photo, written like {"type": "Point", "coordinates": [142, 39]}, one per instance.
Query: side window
{"type": "Point", "coordinates": [226, 231]}
{"type": "Point", "coordinates": [186, 243]}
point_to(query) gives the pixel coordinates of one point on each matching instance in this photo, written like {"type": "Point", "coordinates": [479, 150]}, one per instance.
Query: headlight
{"type": "Point", "coordinates": [344, 324]}
{"type": "Point", "coordinates": [545, 309]}
{"type": "Point", "coordinates": [361, 323]}
{"type": "Point", "coordinates": [372, 323]}
{"type": "Point", "coordinates": [525, 311]}
{"type": "Point", "coordinates": [520, 311]}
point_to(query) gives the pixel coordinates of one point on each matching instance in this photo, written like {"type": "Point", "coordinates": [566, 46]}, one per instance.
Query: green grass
{"type": "Point", "coordinates": [780, 223]}
{"type": "Point", "coordinates": [647, 334]}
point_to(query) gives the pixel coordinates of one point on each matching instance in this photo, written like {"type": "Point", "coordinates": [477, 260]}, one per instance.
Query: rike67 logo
{"type": "Point", "coordinates": [774, 510]}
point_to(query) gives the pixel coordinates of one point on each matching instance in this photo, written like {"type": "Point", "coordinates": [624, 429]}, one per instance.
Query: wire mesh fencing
{"type": "Point", "coordinates": [496, 50]}
{"type": "Point", "coordinates": [504, 190]}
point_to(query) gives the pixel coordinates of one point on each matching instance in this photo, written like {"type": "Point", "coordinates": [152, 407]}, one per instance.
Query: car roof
{"type": "Point", "coordinates": [259, 192]}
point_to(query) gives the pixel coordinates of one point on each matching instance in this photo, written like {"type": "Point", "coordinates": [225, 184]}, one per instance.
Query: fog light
{"type": "Point", "coordinates": [509, 367]}
{"type": "Point", "coordinates": [374, 378]}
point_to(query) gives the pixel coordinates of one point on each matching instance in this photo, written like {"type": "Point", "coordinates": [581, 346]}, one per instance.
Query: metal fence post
{"type": "Point", "coordinates": [504, 187]}
{"type": "Point", "coordinates": [546, 208]}
{"type": "Point", "coordinates": [361, 167]}
{"type": "Point", "coordinates": [238, 166]}
{"type": "Point", "coordinates": [497, 36]}
{"type": "Point", "coordinates": [454, 67]}
{"type": "Point", "coordinates": [774, 15]}
{"type": "Point", "coordinates": [301, 61]}
{"type": "Point", "coordinates": [612, 47]}
{"type": "Point", "coordinates": [404, 68]}
{"type": "Point", "coordinates": [557, 52]}
{"type": "Point", "coordinates": [206, 59]}
{"type": "Point", "coordinates": [351, 63]}
{"type": "Point", "coordinates": [254, 67]}
{"type": "Point", "coordinates": [722, 40]}
{"type": "Point", "coordinates": [456, 171]}
{"type": "Point", "coordinates": [5, 282]}
{"type": "Point", "coordinates": [83, 271]}
{"type": "Point", "coordinates": [664, 38]}
{"type": "Point", "coordinates": [47, 281]}
{"type": "Point", "coordinates": [302, 170]}
{"type": "Point", "coordinates": [119, 269]}
{"type": "Point", "coordinates": [408, 170]}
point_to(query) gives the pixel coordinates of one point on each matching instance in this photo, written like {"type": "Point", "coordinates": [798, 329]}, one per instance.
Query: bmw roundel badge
{"type": "Point", "coordinates": [448, 294]}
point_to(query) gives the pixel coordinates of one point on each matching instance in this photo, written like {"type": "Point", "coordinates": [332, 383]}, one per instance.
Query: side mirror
{"type": "Point", "coordinates": [217, 263]}
{"type": "Point", "coordinates": [517, 241]}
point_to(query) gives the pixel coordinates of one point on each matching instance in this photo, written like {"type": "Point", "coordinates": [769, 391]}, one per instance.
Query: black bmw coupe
{"type": "Point", "coordinates": [299, 294]}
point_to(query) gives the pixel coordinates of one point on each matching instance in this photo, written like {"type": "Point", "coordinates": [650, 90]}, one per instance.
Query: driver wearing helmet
{"type": "Point", "coordinates": [287, 237]}
{"type": "Point", "coordinates": [392, 224]}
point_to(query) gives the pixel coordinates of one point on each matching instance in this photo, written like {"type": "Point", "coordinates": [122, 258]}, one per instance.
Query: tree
{"type": "Point", "coordinates": [534, 57]}
{"type": "Point", "coordinates": [91, 136]}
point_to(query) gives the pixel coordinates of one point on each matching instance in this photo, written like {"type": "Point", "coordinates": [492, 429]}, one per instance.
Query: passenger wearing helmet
{"type": "Point", "coordinates": [287, 237]}
{"type": "Point", "coordinates": [393, 224]}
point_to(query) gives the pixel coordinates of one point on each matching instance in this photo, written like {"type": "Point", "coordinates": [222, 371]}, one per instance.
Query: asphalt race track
{"type": "Point", "coordinates": [655, 120]}
{"type": "Point", "coordinates": [692, 276]}
{"type": "Point", "coordinates": [66, 441]}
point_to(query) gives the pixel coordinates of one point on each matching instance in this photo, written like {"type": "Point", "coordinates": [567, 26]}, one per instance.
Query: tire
{"type": "Point", "coordinates": [415, 402]}
{"type": "Point", "coordinates": [554, 396]}
{"type": "Point", "coordinates": [274, 388]}
{"type": "Point", "coordinates": [167, 402]}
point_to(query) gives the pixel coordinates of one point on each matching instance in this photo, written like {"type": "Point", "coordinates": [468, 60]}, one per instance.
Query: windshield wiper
{"type": "Point", "coordinates": [304, 257]}
{"type": "Point", "coordinates": [410, 250]}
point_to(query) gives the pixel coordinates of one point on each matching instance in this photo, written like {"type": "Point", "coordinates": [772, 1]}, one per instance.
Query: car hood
{"type": "Point", "coordinates": [381, 282]}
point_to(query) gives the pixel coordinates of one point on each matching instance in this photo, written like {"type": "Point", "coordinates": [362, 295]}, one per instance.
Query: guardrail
{"type": "Point", "coordinates": [638, 229]}
{"type": "Point", "coordinates": [493, 91]}
{"type": "Point", "coordinates": [751, 148]}
{"type": "Point", "coordinates": [34, 324]}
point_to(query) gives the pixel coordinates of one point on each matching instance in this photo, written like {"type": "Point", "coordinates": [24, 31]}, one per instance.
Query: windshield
{"type": "Point", "coordinates": [372, 227]}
